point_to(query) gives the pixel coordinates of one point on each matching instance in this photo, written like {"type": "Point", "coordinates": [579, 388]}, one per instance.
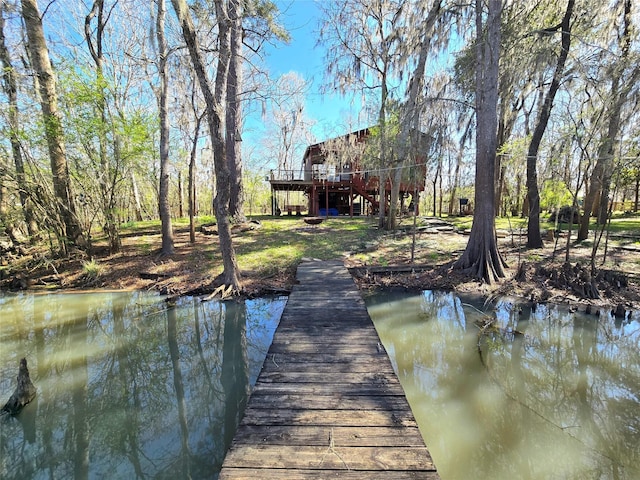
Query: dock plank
{"type": "Point", "coordinates": [301, 474]}
{"type": "Point", "coordinates": [336, 401]}
{"type": "Point", "coordinates": [357, 436]}
{"type": "Point", "coordinates": [377, 378]}
{"type": "Point", "coordinates": [340, 418]}
{"type": "Point", "coordinates": [324, 389]}
{"type": "Point", "coordinates": [327, 403]}
{"type": "Point", "coordinates": [329, 457]}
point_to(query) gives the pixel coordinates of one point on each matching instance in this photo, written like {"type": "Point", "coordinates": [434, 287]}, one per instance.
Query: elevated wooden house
{"type": "Point", "coordinates": [335, 182]}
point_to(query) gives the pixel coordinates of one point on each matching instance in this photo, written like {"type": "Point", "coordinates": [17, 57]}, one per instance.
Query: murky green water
{"type": "Point", "coordinates": [128, 387]}
{"type": "Point", "coordinates": [548, 395]}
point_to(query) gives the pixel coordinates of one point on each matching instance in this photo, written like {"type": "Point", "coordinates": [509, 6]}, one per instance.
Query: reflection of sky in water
{"type": "Point", "coordinates": [137, 388]}
{"type": "Point", "coordinates": [263, 316]}
{"type": "Point", "coordinates": [553, 395]}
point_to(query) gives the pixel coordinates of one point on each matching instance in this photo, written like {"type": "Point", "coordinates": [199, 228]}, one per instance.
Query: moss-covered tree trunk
{"type": "Point", "coordinates": [534, 238]}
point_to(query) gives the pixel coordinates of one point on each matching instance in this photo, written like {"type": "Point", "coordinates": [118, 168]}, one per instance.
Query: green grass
{"type": "Point", "coordinates": [620, 223]}
{"type": "Point", "coordinates": [91, 270]}
{"type": "Point", "coordinates": [284, 241]}
{"type": "Point", "coordinates": [146, 244]}
{"type": "Point", "coordinates": [502, 223]}
{"type": "Point", "coordinates": [435, 257]}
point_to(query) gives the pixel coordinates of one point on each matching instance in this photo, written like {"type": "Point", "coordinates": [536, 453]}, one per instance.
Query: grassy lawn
{"type": "Point", "coordinates": [285, 241]}
{"type": "Point", "coordinates": [276, 248]}
{"type": "Point", "coordinates": [623, 224]}
{"type": "Point", "coordinates": [282, 242]}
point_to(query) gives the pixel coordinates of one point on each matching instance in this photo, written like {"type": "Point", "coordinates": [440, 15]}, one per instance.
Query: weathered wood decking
{"type": "Point", "coordinates": [327, 403]}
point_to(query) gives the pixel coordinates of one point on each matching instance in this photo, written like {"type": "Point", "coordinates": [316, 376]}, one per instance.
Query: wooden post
{"type": "Point", "coordinates": [326, 200]}
{"type": "Point", "coordinates": [350, 200]}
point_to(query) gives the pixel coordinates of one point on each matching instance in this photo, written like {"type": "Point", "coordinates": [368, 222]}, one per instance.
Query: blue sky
{"type": "Point", "coordinates": [333, 113]}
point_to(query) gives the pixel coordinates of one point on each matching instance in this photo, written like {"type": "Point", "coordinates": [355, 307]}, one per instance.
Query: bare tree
{"type": "Point", "coordinates": [233, 121]}
{"type": "Point", "coordinates": [192, 168]}
{"type": "Point", "coordinates": [287, 131]}
{"type": "Point", "coordinates": [624, 76]}
{"type": "Point", "coordinates": [164, 205]}
{"type": "Point", "coordinates": [481, 257]}
{"type": "Point", "coordinates": [105, 178]}
{"type": "Point", "coordinates": [10, 87]}
{"type": "Point", "coordinates": [410, 138]}
{"type": "Point", "coordinates": [41, 63]}
{"type": "Point", "coordinates": [516, 90]}
{"type": "Point", "coordinates": [215, 113]}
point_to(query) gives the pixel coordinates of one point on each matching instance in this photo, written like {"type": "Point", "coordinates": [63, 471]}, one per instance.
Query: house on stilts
{"type": "Point", "coordinates": [333, 181]}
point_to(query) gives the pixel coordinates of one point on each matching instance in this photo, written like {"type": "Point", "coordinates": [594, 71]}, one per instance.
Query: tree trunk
{"type": "Point", "coordinates": [534, 239]}
{"type": "Point", "coordinates": [620, 89]}
{"type": "Point", "coordinates": [454, 187]}
{"type": "Point", "coordinates": [10, 87]}
{"type": "Point", "coordinates": [440, 196]}
{"type": "Point", "coordinates": [499, 167]}
{"type": "Point", "coordinates": [192, 180]}
{"type": "Point", "coordinates": [137, 205]}
{"type": "Point", "coordinates": [437, 178]}
{"type": "Point", "coordinates": [180, 196]}
{"type": "Point", "coordinates": [382, 194]}
{"type": "Point", "coordinates": [164, 205]}
{"type": "Point", "coordinates": [481, 257]}
{"type": "Point", "coordinates": [394, 199]}
{"type": "Point", "coordinates": [106, 186]}
{"type": "Point", "coordinates": [411, 119]}
{"type": "Point", "coordinates": [234, 115]}
{"type": "Point", "coordinates": [619, 95]}
{"type": "Point", "coordinates": [230, 275]}
{"type": "Point", "coordinates": [5, 215]}
{"type": "Point", "coordinates": [501, 188]}
{"type": "Point", "coordinates": [53, 124]}
{"type": "Point", "coordinates": [384, 173]}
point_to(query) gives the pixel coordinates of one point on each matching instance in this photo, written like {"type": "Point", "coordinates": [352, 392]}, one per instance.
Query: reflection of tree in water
{"type": "Point", "coordinates": [240, 333]}
{"type": "Point", "coordinates": [556, 396]}
{"type": "Point", "coordinates": [129, 388]}
{"type": "Point", "coordinates": [571, 373]}
{"type": "Point", "coordinates": [80, 396]}
{"type": "Point", "coordinates": [120, 378]}
{"type": "Point", "coordinates": [204, 377]}
{"type": "Point", "coordinates": [235, 368]}
{"type": "Point", "coordinates": [262, 318]}
{"type": "Point", "coordinates": [180, 397]}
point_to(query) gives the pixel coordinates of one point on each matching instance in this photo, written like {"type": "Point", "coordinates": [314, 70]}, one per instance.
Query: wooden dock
{"type": "Point", "coordinates": [327, 403]}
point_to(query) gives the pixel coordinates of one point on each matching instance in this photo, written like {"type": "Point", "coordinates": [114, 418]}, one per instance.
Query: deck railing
{"type": "Point", "coordinates": [322, 173]}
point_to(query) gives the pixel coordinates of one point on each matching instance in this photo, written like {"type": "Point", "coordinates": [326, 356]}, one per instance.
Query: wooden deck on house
{"type": "Point", "coordinates": [327, 403]}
